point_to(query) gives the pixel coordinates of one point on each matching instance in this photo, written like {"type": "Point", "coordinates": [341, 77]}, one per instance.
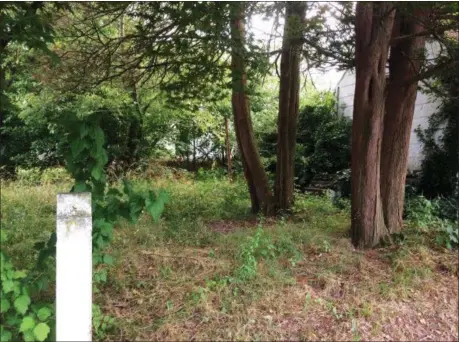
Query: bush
{"type": "Point", "coordinates": [213, 174]}
{"type": "Point", "coordinates": [323, 141]}
{"type": "Point", "coordinates": [55, 175]}
{"type": "Point", "coordinates": [35, 176]}
{"type": "Point", "coordinates": [30, 176]}
{"type": "Point", "coordinates": [430, 215]}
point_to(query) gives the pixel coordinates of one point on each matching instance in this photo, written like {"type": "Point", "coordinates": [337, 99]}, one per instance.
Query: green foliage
{"type": "Point", "coordinates": [248, 268]}
{"type": "Point", "coordinates": [307, 203]}
{"type": "Point", "coordinates": [86, 161]}
{"type": "Point", "coordinates": [323, 140]}
{"type": "Point", "coordinates": [448, 234]}
{"type": "Point", "coordinates": [214, 174]}
{"type": "Point", "coordinates": [30, 176]}
{"type": "Point", "coordinates": [263, 246]}
{"type": "Point", "coordinates": [24, 27]}
{"type": "Point", "coordinates": [20, 318]}
{"type": "Point", "coordinates": [426, 215]}
{"type": "Point", "coordinates": [35, 176]}
{"type": "Point", "coordinates": [101, 323]}
{"type": "Point", "coordinates": [55, 175]}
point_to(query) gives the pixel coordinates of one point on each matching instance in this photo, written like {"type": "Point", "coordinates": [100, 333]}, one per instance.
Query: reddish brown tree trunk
{"type": "Point", "coordinates": [254, 172]}
{"type": "Point", "coordinates": [228, 147]}
{"type": "Point", "coordinates": [405, 61]}
{"type": "Point", "coordinates": [373, 29]}
{"type": "Point", "coordinates": [288, 104]}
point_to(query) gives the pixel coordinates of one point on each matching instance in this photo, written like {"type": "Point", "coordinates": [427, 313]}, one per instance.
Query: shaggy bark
{"type": "Point", "coordinates": [288, 104]}
{"type": "Point", "coordinates": [374, 22]}
{"type": "Point", "coordinates": [405, 62]}
{"type": "Point", "coordinates": [254, 172]}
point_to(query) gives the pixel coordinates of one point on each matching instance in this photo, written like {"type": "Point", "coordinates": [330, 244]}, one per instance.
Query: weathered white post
{"type": "Point", "coordinates": [74, 267]}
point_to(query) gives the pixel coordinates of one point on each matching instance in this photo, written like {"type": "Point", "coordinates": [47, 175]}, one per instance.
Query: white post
{"type": "Point", "coordinates": [74, 267]}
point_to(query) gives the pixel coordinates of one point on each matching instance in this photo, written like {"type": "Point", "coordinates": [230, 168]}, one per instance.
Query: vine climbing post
{"type": "Point", "coordinates": [74, 267]}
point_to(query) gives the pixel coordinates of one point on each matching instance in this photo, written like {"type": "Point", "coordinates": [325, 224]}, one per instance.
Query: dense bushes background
{"type": "Point", "coordinates": [323, 141]}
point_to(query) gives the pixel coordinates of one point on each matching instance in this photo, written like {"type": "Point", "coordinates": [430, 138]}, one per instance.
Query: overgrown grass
{"type": "Point", "coordinates": [210, 271]}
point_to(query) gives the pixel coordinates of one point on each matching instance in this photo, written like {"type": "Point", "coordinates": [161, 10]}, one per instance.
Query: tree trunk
{"type": "Point", "coordinates": [373, 29]}
{"type": "Point", "coordinates": [135, 132]}
{"type": "Point", "coordinates": [254, 172]}
{"type": "Point", "coordinates": [228, 147]}
{"type": "Point", "coordinates": [195, 168]}
{"type": "Point", "coordinates": [288, 104]}
{"type": "Point", "coordinates": [3, 97]}
{"type": "Point", "coordinates": [405, 62]}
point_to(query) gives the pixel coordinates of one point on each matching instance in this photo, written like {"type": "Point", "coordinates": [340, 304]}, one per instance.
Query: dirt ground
{"type": "Point", "coordinates": [344, 295]}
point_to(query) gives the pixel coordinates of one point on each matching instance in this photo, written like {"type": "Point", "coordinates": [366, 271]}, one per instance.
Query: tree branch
{"type": "Point", "coordinates": [431, 72]}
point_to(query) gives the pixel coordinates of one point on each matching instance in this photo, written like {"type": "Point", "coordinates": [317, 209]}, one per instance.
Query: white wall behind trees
{"type": "Point", "coordinates": [425, 106]}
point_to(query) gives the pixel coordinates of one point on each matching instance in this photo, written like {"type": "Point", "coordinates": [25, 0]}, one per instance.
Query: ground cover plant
{"type": "Point", "coordinates": [210, 270]}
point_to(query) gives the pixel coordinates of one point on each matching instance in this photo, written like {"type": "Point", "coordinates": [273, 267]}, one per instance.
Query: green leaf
{"type": "Point", "coordinates": [113, 192]}
{"type": "Point", "coordinates": [43, 314]}
{"type": "Point", "coordinates": [41, 331]}
{"type": "Point", "coordinates": [4, 305]}
{"type": "Point", "coordinates": [101, 276]}
{"type": "Point", "coordinates": [6, 335]}
{"type": "Point", "coordinates": [94, 152]}
{"type": "Point", "coordinates": [77, 146]}
{"type": "Point", "coordinates": [80, 187]}
{"type": "Point", "coordinates": [8, 285]}
{"type": "Point", "coordinates": [128, 190]}
{"type": "Point", "coordinates": [99, 136]}
{"type": "Point", "coordinates": [96, 173]}
{"type": "Point", "coordinates": [84, 130]}
{"type": "Point", "coordinates": [19, 274]}
{"type": "Point", "coordinates": [13, 321]}
{"type": "Point", "coordinates": [29, 336]}
{"type": "Point", "coordinates": [28, 323]}
{"type": "Point", "coordinates": [156, 207]}
{"type": "Point", "coordinates": [108, 259]}
{"type": "Point", "coordinates": [103, 157]}
{"type": "Point", "coordinates": [22, 304]}
{"type": "Point", "coordinates": [105, 228]}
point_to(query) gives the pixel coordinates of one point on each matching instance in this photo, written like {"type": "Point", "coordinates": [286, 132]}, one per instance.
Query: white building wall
{"type": "Point", "coordinates": [424, 107]}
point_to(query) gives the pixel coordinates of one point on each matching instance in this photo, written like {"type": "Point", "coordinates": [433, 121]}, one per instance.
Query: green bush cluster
{"type": "Point", "coordinates": [263, 246]}
{"type": "Point", "coordinates": [322, 143]}
{"type": "Point", "coordinates": [435, 216]}
{"type": "Point", "coordinates": [19, 317]}
{"type": "Point", "coordinates": [36, 176]}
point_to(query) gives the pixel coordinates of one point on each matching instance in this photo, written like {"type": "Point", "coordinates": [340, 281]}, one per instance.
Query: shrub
{"type": "Point", "coordinates": [428, 215]}
{"type": "Point", "coordinates": [323, 141]}
{"type": "Point", "coordinates": [35, 176]}
{"type": "Point", "coordinates": [55, 175]}
{"type": "Point", "coordinates": [30, 176]}
{"type": "Point", "coordinates": [213, 174]}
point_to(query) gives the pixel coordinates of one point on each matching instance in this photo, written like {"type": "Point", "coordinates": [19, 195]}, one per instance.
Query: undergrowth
{"type": "Point", "coordinates": [183, 267]}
